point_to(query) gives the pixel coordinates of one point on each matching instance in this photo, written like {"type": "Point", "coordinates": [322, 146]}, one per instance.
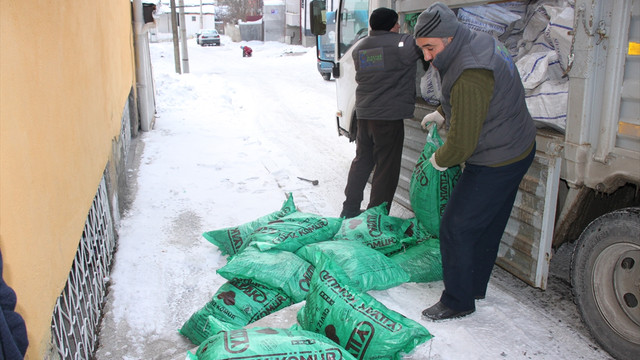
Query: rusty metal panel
{"type": "Point", "coordinates": [414, 139]}
{"type": "Point", "coordinates": [525, 249]}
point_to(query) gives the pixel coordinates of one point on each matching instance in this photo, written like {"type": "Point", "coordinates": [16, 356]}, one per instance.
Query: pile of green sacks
{"type": "Point", "coordinates": [289, 256]}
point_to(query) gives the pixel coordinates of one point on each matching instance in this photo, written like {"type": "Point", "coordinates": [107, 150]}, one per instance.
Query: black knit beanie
{"type": "Point", "coordinates": [383, 19]}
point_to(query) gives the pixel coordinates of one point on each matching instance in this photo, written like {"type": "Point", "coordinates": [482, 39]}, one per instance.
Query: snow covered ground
{"type": "Point", "coordinates": [231, 139]}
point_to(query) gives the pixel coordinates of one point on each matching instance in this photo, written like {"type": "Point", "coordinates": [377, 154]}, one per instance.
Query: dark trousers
{"type": "Point", "coordinates": [378, 144]}
{"type": "Point", "coordinates": [472, 225]}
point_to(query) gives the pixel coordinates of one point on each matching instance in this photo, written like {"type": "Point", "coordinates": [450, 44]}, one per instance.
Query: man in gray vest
{"type": "Point", "coordinates": [386, 64]}
{"type": "Point", "coordinates": [491, 131]}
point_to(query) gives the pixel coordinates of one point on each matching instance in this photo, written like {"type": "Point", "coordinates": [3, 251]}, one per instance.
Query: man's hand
{"type": "Point", "coordinates": [432, 160]}
{"type": "Point", "coordinates": [433, 117]}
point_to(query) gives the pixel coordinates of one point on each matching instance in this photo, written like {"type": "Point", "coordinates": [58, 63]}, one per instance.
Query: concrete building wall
{"type": "Point", "coordinates": [273, 18]}
{"type": "Point", "coordinates": [67, 72]}
{"type": "Point", "coordinates": [252, 31]}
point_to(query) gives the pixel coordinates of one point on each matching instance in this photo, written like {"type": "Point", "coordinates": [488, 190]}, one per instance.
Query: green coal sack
{"type": "Point", "coordinates": [237, 302]}
{"type": "Point", "coordinates": [418, 232]}
{"type": "Point", "coordinates": [366, 269]}
{"type": "Point", "coordinates": [376, 229]}
{"type": "Point", "coordinates": [277, 269]}
{"type": "Point", "coordinates": [233, 240]}
{"type": "Point", "coordinates": [294, 231]}
{"type": "Point", "coordinates": [263, 343]}
{"type": "Point", "coordinates": [430, 189]}
{"type": "Point", "coordinates": [422, 262]}
{"type": "Point", "coordinates": [359, 323]}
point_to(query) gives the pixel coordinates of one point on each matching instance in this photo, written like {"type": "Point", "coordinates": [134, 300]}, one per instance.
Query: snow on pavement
{"type": "Point", "coordinates": [231, 139]}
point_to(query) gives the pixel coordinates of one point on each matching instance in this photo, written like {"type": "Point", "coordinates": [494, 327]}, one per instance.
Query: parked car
{"type": "Point", "coordinates": [208, 37]}
{"type": "Point", "coordinates": [198, 33]}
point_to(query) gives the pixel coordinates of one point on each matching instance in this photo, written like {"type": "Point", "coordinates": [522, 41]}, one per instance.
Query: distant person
{"type": "Point", "coordinates": [491, 131]}
{"type": "Point", "coordinates": [246, 51]}
{"type": "Point", "coordinates": [386, 64]}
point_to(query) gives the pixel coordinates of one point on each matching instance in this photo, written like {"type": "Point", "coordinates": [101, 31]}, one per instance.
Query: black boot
{"type": "Point", "coordinates": [440, 311]}
{"type": "Point", "coordinates": [347, 214]}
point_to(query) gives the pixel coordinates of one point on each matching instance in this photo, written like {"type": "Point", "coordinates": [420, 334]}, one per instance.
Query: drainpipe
{"type": "Point", "coordinates": [142, 66]}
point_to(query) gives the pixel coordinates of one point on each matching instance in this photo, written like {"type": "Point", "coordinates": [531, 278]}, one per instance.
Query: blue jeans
{"type": "Point", "coordinates": [472, 225]}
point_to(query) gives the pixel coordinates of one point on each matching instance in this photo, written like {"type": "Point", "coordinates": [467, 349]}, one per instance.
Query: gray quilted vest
{"type": "Point", "coordinates": [508, 130]}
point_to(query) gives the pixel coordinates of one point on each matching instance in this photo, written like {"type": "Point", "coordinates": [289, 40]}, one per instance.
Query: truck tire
{"type": "Point", "coordinates": [606, 281]}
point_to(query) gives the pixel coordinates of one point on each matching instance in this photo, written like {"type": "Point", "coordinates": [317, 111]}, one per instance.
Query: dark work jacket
{"type": "Point", "coordinates": [386, 64]}
{"type": "Point", "coordinates": [508, 130]}
{"type": "Point", "coordinates": [13, 332]}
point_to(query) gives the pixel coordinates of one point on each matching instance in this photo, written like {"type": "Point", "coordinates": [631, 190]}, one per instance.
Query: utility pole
{"type": "Point", "coordinates": [183, 39]}
{"type": "Point", "coordinates": [201, 17]}
{"type": "Point", "coordinates": [174, 30]}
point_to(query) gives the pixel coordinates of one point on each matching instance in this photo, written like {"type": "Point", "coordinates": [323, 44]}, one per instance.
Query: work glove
{"type": "Point", "coordinates": [432, 160]}
{"type": "Point", "coordinates": [432, 118]}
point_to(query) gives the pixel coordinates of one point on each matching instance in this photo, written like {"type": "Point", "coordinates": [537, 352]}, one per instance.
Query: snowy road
{"type": "Point", "coordinates": [231, 139]}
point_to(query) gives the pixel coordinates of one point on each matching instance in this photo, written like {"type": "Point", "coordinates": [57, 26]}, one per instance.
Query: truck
{"type": "Point", "coordinates": [583, 188]}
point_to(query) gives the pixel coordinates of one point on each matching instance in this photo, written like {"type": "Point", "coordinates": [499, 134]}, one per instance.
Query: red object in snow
{"type": "Point", "coordinates": [246, 51]}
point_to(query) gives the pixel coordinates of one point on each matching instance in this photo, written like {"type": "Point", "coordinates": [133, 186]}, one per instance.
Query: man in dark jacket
{"type": "Point", "coordinates": [491, 131]}
{"type": "Point", "coordinates": [386, 64]}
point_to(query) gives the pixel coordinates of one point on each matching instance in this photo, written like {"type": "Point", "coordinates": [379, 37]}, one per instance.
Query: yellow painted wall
{"type": "Point", "coordinates": [67, 68]}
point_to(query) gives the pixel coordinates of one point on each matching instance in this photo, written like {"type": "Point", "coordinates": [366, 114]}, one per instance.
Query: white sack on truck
{"type": "Point", "coordinates": [492, 19]}
{"type": "Point", "coordinates": [547, 104]}
{"type": "Point", "coordinates": [431, 86]}
{"type": "Point", "coordinates": [546, 91]}
{"type": "Point", "coordinates": [543, 59]}
{"type": "Point", "coordinates": [557, 32]}
{"type": "Point", "coordinates": [538, 37]}
{"type": "Point", "coordinates": [536, 68]}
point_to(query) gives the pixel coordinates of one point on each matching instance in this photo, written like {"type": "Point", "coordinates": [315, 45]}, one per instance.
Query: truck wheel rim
{"type": "Point", "coordinates": [616, 289]}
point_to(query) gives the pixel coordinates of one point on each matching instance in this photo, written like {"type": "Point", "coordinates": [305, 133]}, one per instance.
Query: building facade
{"type": "Point", "coordinates": [69, 106]}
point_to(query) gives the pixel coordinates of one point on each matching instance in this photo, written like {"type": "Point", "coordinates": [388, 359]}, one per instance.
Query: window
{"type": "Point", "coordinates": [354, 23]}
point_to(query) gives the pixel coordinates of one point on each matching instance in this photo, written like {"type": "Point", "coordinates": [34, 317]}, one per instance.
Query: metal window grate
{"type": "Point", "coordinates": [77, 310]}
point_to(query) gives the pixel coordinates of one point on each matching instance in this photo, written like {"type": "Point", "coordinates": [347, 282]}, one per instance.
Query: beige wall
{"type": "Point", "coordinates": [66, 68]}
